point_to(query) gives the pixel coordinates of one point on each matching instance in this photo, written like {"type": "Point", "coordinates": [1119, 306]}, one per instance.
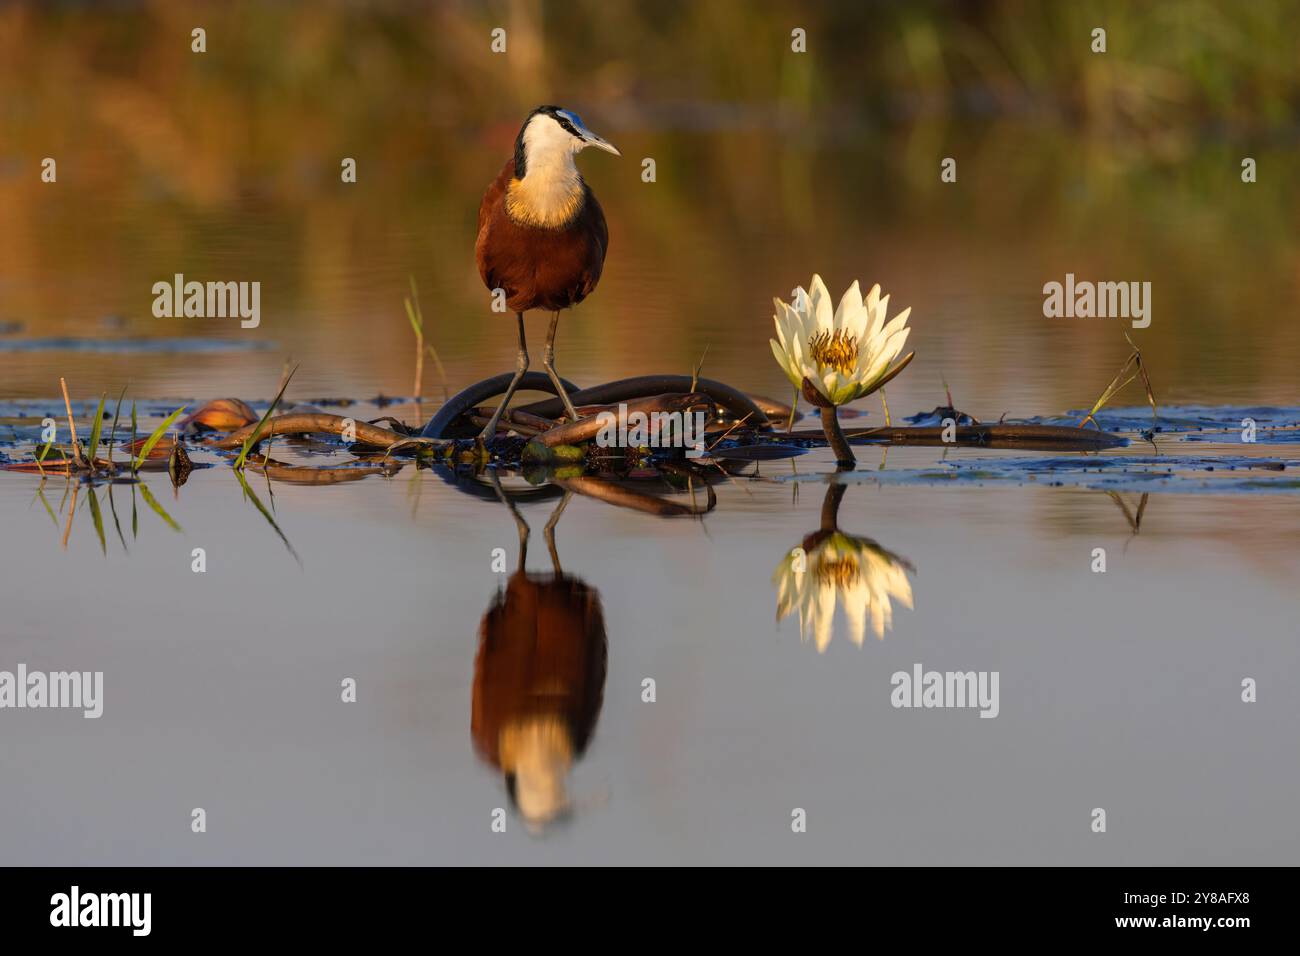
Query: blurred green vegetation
{"type": "Point", "coordinates": [399, 76]}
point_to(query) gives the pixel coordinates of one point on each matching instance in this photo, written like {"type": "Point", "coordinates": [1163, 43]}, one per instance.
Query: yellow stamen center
{"type": "Point", "coordinates": [838, 350]}
{"type": "Point", "coordinates": [841, 572]}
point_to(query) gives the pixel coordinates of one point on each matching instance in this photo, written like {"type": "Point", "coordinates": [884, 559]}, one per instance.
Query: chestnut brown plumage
{"type": "Point", "coordinates": [542, 236]}
{"type": "Point", "coordinates": [542, 651]}
{"type": "Point", "coordinates": [539, 268]}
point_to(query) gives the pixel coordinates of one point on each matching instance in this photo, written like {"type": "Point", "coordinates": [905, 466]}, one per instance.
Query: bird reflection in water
{"type": "Point", "coordinates": [539, 680]}
{"type": "Point", "coordinates": [831, 568]}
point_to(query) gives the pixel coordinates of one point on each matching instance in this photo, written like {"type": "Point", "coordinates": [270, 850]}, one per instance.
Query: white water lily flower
{"type": "Point", "coordinates": [843, 353]}
{"type": "Point", "coordinates": [842, 568]}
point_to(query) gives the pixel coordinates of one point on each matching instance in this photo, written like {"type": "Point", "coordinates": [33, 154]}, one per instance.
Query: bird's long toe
{"type": "Point", "coordinates": [568, 407]}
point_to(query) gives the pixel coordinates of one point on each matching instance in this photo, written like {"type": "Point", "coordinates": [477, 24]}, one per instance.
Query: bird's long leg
{"type": "Point", "coordinates": [548, 363]}
{"type": "Point", "coordinates": [550, 531]}
{"type": "Point", "coordinates": [521, 366]}
{"type": "Point", "coordinates": [520, 524]}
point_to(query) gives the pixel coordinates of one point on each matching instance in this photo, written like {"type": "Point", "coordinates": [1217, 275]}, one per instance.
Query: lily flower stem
{"type": "Point", "coordinates": [831, 506]}
{"type": "Point", "coordinates": [835, 436]}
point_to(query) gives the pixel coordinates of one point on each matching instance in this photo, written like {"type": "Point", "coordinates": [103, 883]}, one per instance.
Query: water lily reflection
{"type": "Point", "coordinates": [831, 568]}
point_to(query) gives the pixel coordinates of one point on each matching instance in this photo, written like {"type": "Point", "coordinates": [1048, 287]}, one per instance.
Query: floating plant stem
{"type": "Point", "coordinates": [526, 430]}
{"type": "Point", "coordinates": [625, 497]}
{"type": "Point", "coordinates": [256, 435]}
{"type": "Point", "coordinates": [295, 423]}
{"type": "Point", "coordinates": [572, 433]}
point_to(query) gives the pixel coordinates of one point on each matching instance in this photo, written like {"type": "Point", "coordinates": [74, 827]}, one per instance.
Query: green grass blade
{"type": "Point", "coordinates": [442, 372]}
{"type": "Point", "coordinates": [40, 459]}
{"type": "Point", "coordinates": [251, 495]}
{"type": "Point", "coordinates": [158, 509]}
{"type": "Point", "coordinates": [251, 441]}
{"type": "Point", "coordinates": [154, 438]}
{"type": "Point", "coordinates": [40, 493]}
{"type": "Point", "coordinates": [699, 367]}
{"type": "Point", "coordinates": [413, 309]}
{"type": "Point", "coordinates": [112, 507]}
{"type": "Point", "coordinates": [1146, 382]}
{"type": "Point", "coordinates": [96, 428]}
{"type": "Point", "coordinates": [98, 517]}
{"type": "Point", "coordinates": [112, 434]}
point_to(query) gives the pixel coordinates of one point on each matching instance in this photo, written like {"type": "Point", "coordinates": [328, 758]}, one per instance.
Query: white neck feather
{"type": "Point", "coordinates": [550, 191]}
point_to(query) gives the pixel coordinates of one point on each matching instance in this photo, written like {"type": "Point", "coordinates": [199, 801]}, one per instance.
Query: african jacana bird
{"type": "Point", "coordinates": [541, 233]}
{"type": "Point", "coordinates": [539, 681]}
{"type": "Point", "coordinates": [539, 678]}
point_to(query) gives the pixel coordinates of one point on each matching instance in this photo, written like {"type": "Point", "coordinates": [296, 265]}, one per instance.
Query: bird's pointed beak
{"type": "Point", "coordinates": [591, 139]}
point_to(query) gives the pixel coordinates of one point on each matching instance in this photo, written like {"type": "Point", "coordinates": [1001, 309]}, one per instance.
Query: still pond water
{"type": "Point", "coordinates": [1119, 690]}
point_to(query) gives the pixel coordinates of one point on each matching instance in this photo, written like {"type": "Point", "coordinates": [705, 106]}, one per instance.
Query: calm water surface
{"type": "Point", "coordinates": [1118, 690]}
